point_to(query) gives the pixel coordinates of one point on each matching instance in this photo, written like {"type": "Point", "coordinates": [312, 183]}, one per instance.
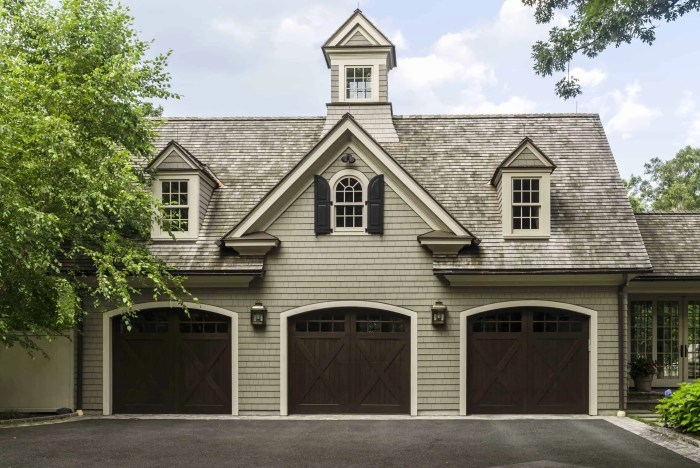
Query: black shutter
{"type": "Point", "coordinates": [322, 206]}
{"type": "Point", "coordinates": [375, 205]}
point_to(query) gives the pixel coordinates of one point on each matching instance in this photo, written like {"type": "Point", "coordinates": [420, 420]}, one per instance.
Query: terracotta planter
{"type": "Point", "coordinates": [642, 383]}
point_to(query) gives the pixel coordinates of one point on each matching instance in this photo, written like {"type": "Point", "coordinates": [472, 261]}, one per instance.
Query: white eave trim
{"type": "Point", "coordinates": [252, 247]}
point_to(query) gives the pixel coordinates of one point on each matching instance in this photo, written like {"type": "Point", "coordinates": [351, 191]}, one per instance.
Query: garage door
{"type": "Point", "coordinates": [349, 361]}
{"type": "Point", "coordinates": [171, 363]}
{"type": "Point", "coordinates": [527, 361]}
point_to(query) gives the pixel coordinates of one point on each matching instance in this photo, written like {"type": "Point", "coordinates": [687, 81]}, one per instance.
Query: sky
{"type": "Point", "coordinates": [263, 58]}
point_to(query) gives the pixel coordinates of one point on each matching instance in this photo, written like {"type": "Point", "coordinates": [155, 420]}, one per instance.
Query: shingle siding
{"type": "Point", "coordinates": [391, 269]}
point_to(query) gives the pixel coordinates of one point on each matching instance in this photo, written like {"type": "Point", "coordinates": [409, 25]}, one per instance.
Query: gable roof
{"type": "Point", "coordinates": [672, 240]}
{"type": "Point", "coordinates": [453, 159]}
{"type": "Point", "coordinates": [173, 147]}
{"type": "Point", "coordinates": [347, 132]}
{"type": "Point", "coordinates": [358, 22]}
{"type": "Point", "coordinates": [526, 156]}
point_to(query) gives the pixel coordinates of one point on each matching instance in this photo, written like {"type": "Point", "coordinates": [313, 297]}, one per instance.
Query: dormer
{"type": "Point", "coordinates": [184, 185]}
{"type": "Point", "coordinates": [360, 57]}
{"type": "Point", "coordinates": [523, 184]}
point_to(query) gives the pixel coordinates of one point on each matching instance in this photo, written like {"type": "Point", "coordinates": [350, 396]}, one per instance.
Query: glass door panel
{"type": "Point", "coordinates": [668, 341]}
{"type": "Point", "coordinates": [693, 340]}
{"type": "Point", "coordinates": [642, 329]}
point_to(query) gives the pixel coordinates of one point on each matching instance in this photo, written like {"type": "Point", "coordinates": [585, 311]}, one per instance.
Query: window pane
{"type": "Point", "coordinates": [535, 184]}
{"type": "Point", "coordinates": [516, 184]}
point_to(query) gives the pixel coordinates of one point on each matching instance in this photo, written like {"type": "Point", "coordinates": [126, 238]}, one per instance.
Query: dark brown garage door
{"type": "Point", "coordinates": [349, 361]}
{"type": "Point", "coordinates": [528, 361]}
{"type": "Point", "coordinates": [171, 363]}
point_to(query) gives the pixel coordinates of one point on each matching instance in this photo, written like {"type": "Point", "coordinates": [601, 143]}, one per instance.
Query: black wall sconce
{"type": "Point", "coordinates": [348, 158]}
{"type": "Point", "coordinates": [438, 313]}
{"type": "Point", "coordinates": [258, 315]}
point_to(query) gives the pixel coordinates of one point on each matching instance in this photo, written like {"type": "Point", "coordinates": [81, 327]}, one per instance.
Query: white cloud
{"type": "Point", "coordinates": [237, 30]}
{"type": "Point", "coordinates": [398, 39]}
{"type": "Point", "coordinates": [693, 136]}
{"type": "Point", "coordinates": [592, 77]}
{"type": "Point", "coordinates": [631, 115]}
{"type": "Point", "coordinates": [687, 104]}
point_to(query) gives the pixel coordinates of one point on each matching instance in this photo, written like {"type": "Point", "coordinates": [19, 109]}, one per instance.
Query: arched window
{"type": "Point", "coordinates": [349, 204]}
{"type": "Point", "coordinates": [349, 192]}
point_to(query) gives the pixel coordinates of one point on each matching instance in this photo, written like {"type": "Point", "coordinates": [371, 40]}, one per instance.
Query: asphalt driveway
{"type": "Point", "coordinates": [142, 443]}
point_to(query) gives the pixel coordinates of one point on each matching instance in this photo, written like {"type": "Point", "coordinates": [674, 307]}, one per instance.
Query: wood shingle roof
{"type": "Point", "coordinates": [453, 158]}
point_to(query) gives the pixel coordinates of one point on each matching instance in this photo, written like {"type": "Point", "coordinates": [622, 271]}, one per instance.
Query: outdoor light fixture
{"type": "Point", "coordinates": [438, 313]}
{"type": "Point", "coordinates": [258, 314]}
{"type": "Point", "coordinates": [348, 158]}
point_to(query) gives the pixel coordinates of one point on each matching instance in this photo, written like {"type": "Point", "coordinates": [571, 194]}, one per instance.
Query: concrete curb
{"type": "Point", "coordinates": [653, 434]}
{"type": "Point", "coordinates": [673, 434]}
{"type": "Point", "coordinates": [37, 420]}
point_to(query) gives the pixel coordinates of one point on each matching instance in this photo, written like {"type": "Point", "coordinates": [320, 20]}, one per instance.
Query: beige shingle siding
{"type": "Point", "coordinates": [335, 83]}
{"type": "Point", "coordinates": [526, 158]}
{"type": "Point", "coordinates": [358, 40]}
{"type": "Point", "coordinates": [390, 269]}
{"type": "Point", "coordinates": [383, 84]}
{"type": "Point", "coordinates": [206, 190]}
{"type": "Point", "coordinates": [174, 162]}
{"type": "Point", "coordinates": [375, 119]}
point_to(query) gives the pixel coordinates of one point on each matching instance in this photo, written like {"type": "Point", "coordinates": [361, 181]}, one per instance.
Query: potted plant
{"type": "Point", "coordinates": [642, 370]}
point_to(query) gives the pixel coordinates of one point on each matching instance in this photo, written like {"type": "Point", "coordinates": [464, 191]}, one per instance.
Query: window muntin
{"type": "Point", "coordinates": [174, 195]}
{"type": "Point", "coordinates": [526, 203]}
{"type": "Point", "coordinates": [349, 204]}
{"type": "Point", "coordinates": [358, 83]}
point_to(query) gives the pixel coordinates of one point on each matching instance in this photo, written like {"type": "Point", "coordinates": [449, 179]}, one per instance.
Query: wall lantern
{"type": "Point", "coordinates": [258, 314]}
{"type": "Point", "coordinates": [438, 313]}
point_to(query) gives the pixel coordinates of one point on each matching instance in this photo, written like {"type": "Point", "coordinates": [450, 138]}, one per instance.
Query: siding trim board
{"type": "Point", "coordinates": [107, 348]}
{"type": "Point", "coordinates": [592, 345]}
{"type": "Point", "coordinates": [284, 343]}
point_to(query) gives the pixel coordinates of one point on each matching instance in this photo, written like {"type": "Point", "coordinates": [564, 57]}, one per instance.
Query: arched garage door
{"type": "Point", "coordinates": [349, 361]}
{"type": "Point", "coordinates": [170, 363]}
{"type": "Point", "coordinates": [527, 360]}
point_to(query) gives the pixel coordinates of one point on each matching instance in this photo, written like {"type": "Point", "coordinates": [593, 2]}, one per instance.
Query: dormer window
{"type": "Point", "coordinates": [174, 195]}
{"type": "Point", "coordinates": [526, 203]}
{"type": "Point", "coordinates": [358, 83]}
{"type": "Point", "coordinates": [179, 194]}
{"type": "Point", "coordinates": [523, 184]}
{"type": "Point", "coordinates": [184, 186]}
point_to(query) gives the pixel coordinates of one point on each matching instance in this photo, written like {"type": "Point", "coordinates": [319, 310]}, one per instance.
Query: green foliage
{"type": "Point", "coordinates": [681, 410]}
{"type": "Point", "coordinates": [594, 25]}
{"type": "Point", "coordinates": [74, 112]}
{"type": "Point", "coordinates": [672, 185]}
{"type": "Point", "coordinates": [641, 366]}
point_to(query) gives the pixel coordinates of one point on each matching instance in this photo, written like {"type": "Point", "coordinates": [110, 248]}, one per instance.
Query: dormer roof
{"type": "Point", "coordinates": [176, 157]}
{"type": "Point", "coordinates": [358, 32]}
{"type": "Point", "coordinates": [527, 156]}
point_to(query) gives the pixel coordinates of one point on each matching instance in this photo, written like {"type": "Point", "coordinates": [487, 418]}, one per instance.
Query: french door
{"type": "Point", "coordinates": [667, 329]}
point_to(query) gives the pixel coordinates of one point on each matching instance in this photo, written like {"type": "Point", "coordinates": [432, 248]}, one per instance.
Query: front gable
{"type": "Point", "coordinates": [347, 135]}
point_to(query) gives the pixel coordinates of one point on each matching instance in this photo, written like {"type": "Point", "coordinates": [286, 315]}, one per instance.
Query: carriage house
{"type": "Point", "coordinates": [366, 262]}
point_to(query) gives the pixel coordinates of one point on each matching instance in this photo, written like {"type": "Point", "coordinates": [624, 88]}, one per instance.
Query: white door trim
{"type": "Point", "coordinates": [284, 347]}
{"type": "Point", "coordinates": [592, 348]}
{"type": "Point", "coordinates": [107, 348]}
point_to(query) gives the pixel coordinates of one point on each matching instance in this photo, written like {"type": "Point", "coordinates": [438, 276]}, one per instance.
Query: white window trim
{"type": "Point", "coordinates": [375, 83]}
{"type": "Point", "coordinates": [364, 182]}
{"type": "Point", "coordinates": [506, 187]}
{"type": "Point", "coordinates": [193, 191]}
{"type": "Point", "coordinates": [358, 61]}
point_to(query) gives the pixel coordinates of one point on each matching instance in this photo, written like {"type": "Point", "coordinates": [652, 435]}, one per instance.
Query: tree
{"type": "Point", "coordinates": [74, 113]}
{"type": "Point", "coordinates": [594, 25]}
{"type": "Point", "coordinates": [672, 185]}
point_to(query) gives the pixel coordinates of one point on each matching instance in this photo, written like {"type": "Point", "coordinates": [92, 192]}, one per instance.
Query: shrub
{"type": "Point", "coordinates": [681, 410]}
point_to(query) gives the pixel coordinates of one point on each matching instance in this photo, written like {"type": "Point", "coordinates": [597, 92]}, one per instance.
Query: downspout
{"type": "Point", "coordinates": [621, 310]}
{"type": "Point", "coordinates": [79, 370]}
